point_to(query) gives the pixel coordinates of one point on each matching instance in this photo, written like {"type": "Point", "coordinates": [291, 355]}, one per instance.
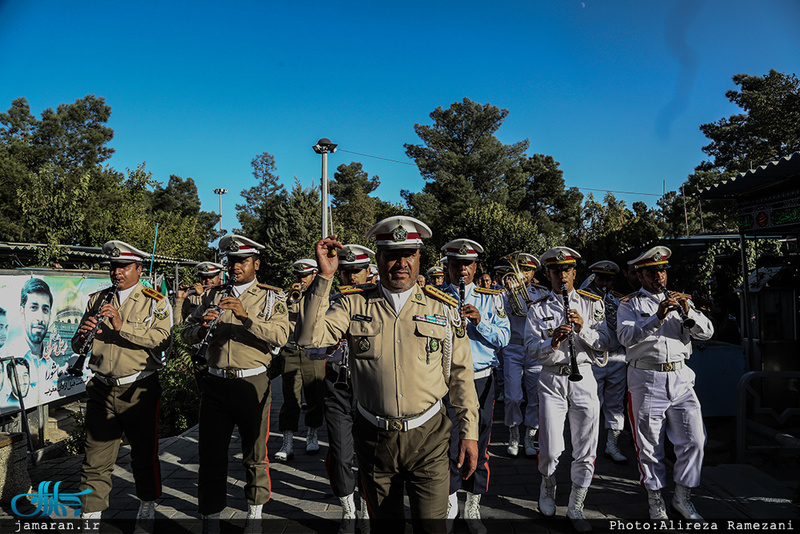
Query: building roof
{"type": "Point", "coordinates": [75, 254]}
{"type": "Point", "coordinates": [780, 173]}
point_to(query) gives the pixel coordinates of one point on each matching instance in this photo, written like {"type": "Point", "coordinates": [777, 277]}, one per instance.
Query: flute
{"type": "Point", "coordinates": [76, 369]}
{"type": "Point", "coordinates": [686, 321]}
{"type": "Point", "coordinates": [574, 373]}
{"type": "Point", "coordinates": [199, 359]}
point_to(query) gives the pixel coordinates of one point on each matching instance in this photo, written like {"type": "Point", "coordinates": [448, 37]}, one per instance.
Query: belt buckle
{"type": "Point", "coordinates": [564, 370]}
{"type": "Point", "coordinates": [669, 366]}
{"type": "Point", "coordinates": [230, 373]}
{"type": "Point", "coordinates": [394, 425]}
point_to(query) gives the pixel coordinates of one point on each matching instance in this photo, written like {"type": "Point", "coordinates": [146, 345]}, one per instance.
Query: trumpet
{"type": "Point", "coordinates": [514, 284]}
{"type": "Point", "coordinates": [293, 295]}
{"type": "Point", "coordinates": [574, 373]}
{"type": "Point", "coordinates": [686, 321]}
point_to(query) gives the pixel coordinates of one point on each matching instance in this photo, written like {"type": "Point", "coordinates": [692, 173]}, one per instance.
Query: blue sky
{"type": "Point", "coordinates": [614, 90]}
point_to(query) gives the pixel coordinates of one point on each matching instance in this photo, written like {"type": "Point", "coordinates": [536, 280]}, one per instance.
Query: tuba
{"type": "Point", "coordinates": [514, 284]}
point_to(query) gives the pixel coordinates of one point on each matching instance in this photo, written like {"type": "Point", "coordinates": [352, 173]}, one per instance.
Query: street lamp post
{"type": "Point", "coordinates": [324, 146]}
{"type": "Point", "coordinates": [220, 192]}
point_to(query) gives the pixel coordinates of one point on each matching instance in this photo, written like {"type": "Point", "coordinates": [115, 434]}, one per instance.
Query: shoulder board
{"type": "Point", "coordinates": [440, 295]}
{"type": "Point", "coordinates": [617, 294]}
{"type": "Point", "coordinates": [489, 291]}
{"type": "Point", "coordinates": [629, 296]}
{"type": "Point", "coordinates": [152, 293]}
{"type": "Point", "coordinates": [269, 287]}
{"type": "Point", "coordinates": [541, 299]}
{"type": "Point", "coordinates": [588, 294]}
{"type": "Point", "coordinates": [349, 290]}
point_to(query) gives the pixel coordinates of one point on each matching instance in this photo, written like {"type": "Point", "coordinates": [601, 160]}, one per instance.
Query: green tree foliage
{"type": "Point", "coordinates": [555, 210]}
{"type": "Point", "coordinates": [614, 232]}
{"type": "Point", "coordinates": [768, 129]}
{"type": "Point", "coordinates": [464, 163]}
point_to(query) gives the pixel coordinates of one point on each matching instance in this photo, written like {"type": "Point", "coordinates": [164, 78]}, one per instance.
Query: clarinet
{"type": "Point", "coordinates": [686, 321]}
{"type": "Point", "coordinates": [199, 359]}
{"type": "Point", "coordinates": [342, 379]}
{"type": "Point", "coordinates": [76, 369]}
{"type": "Point", "coordinates": [461, 294]}
{"type": "Point", "coordinates": [574, 373]}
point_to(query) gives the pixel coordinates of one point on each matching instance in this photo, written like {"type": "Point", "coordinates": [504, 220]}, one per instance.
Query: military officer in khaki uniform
{"type": "Point", "coordinates": [235, 391]}
{"type": "Point", "coordinates": [189, 297]}
{"type": "Point", "coordinates": [435, 276]}
{"type": "Point", "coordinates": [406, 356]}
{"type": "Point", "coordinates": [127, 351]}
{"type": "Point", "coordinates": [300, 373]}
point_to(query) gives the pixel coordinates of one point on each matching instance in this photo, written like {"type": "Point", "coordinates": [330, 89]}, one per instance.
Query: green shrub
{"type": "Point", "coordinates": [180, 399]}
{"type": "Point", "coordinates": [75, 442]}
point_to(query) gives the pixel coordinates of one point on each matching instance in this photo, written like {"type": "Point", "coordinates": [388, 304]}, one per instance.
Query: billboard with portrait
{"type": "Point", "coordinates": [39, 314]}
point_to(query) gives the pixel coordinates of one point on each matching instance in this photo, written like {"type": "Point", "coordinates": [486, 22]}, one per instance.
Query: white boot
{"type": "Point", "coordinates": [287, 447]}
{"type": "Point", "coordinates": [145, 518]}
{"type": "Point", "coordinates": [312, 443]}
{"type": "Point", "coordinates": [682, 503]}
{"type": "Point", "coordinates": [513, 440]}
{"type": "Point", "coordinates": [211, 524]}
{"type": "Point", "coordinates": [252, 523]}
{"type": "Point", "coordinates": [452, 511]}
{"type": "Point", "coordinates": [348, 524]}
{"type": "Point", "coordinates": [612, 447]}
{"type": "Point", "coordinates": [575, 509]}
{"type": "Point", "coordinates": [547, 496]}
{"type": "Point", "coordinates": [658, 510]}
{"type": "Point", "coordinates": [530, 442]}
{"type": "Point", "coordinates": [363, 516]}
{"type": "Point", "coordinates": [472, 513]}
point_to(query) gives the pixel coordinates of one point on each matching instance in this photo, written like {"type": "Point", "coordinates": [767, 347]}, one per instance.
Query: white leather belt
{"type": "Point", "coordinates": [663, 367]}
{"type": "Point", "coordinates": [237, 373]}
{"type": "Point", "coordinates": [400, 424]}
{"type": "Point", "coordinates": [563, 370]}
{"type": "Point", "coordinates": [111, 381]}
{"type": "Point", "coordinates": [483, 373]}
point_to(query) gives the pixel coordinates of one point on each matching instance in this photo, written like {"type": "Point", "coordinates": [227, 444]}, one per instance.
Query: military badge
{"type": "Point", "coordinates": [418, 296]}
{"type": "Point", "coordinates": [363, 345]}
{"type": "Point", "coordinates": [115, 252]}
{"type": "Point", "coordinates": [205, 268]}
{"type": "Point", "coordinates": [350, 256]}
{"type": "Point", "coordinates": [501, 313]}
{"type": "Point", "coordinates": [549, 332]}
{"type": "Point", "coordinates": [399, 234]}
{"type": "Point", "coordinates": [598, 315]}
{"type": "Point", "coordinates": [161, 314]}
{"type": "Point", "coordinates": [233, 247]}
{"type": "Point", "coordinates": [657, 256]}
{"type": "Point", "coordinates": [561, 256]}
{"type": "Point", "coordinates": [464, 250]}
{"type": "Point", "coordinates": [461, 331]}
{"type": "Point", "coordinates": [433, 345]}
{"type": "Point", "coordinates": [280, 308]}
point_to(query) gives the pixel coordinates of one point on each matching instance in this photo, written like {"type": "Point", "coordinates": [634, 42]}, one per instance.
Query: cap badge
{"type": "Point", "coordinates": [233, 247]}
{"type": "Point", "coordinates": [657, 256]}
{"type": "Point", "coordinates": [205, 268]}
{"type": "Point", "coordinates": [561, 256]}
{"type": "Point", "coordinates": [115, 252]}
{"type": "Point", "coordinates": [363, 345]}
{"type": "Point", "coordinates": [350, 256]}
{"type": "Point", "coordinates": [400, 234]}
{"type": "Point", "coordinates": [464, 250]}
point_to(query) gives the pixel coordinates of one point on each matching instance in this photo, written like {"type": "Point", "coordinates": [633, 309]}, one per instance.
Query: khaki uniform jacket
{"type": "Point", "coordinates": [140, 343]}
{"type": "Point", "coordinates": [188, 305]}
{"type": "Point", "coordinates": [238, 345]}
{"type": "Point", "coordinates": [396, 361]}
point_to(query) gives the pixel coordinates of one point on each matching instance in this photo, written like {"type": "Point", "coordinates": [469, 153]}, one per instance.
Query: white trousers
{"type": "Point", "coordinates": [520, 372]}
{"type": "Point", "coordinates": [664, 404]}
{"type": "Point", "coordinates": [611, 391]}
{"type": "Point", "coordinates": [559, 400]}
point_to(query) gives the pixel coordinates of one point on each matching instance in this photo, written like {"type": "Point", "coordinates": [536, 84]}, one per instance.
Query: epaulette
{"type": "Point", "coordinates": [489, 291]}
{"type": "Point", "coordinates": [440, 295]}
{"type": "Point", "coordinates": [271, 288]}
{"type": "Point", "coordinates": [617, 294]}
{"type": "Point", "coordinates": [152, 293]}
{"type": "Point", "coordinates": [628, 297]}
{"type": "Point", "coordinates": [349, 290]}
{"type": "Point", "coordinates": [588, 294]}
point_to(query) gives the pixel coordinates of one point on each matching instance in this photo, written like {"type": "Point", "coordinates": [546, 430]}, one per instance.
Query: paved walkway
{"type": "Point", "coordinates": [302, 500]}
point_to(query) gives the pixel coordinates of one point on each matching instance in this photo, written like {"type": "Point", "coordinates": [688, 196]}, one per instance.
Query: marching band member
{"type": "Point", "coordinates": [554, 336]}
{"type": "Point", "coordinates": [488, 330]}
{"type": "Point", "coordinates": [657, 327]}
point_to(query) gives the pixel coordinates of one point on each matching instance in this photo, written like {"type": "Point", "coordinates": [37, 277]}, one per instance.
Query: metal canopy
{"type": "Point", "coordinates": [77, 254]}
